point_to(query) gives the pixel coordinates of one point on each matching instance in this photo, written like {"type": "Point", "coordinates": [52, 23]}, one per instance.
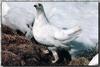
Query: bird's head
{"type": "Point", "coordinates": [39, 6]}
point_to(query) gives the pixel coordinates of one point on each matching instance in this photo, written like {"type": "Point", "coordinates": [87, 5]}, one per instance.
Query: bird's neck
{"type": "Point", "coordinates": [41, 18]}
{"type": "Point", "coordinates": [41, 13]}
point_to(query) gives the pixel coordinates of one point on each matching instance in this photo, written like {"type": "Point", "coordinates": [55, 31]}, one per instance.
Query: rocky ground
{"type": "Point", "coordinates": [17, 50]}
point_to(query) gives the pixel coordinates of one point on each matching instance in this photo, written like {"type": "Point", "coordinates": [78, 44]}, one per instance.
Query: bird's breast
{"type": "Point", "coordinates": [39, 34]}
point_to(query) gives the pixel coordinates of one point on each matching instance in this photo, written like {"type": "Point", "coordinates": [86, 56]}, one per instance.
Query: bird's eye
{"type": "Point", "coordinates": [39, 4]}
{"type": "Point", "coordinates": [35, 5]}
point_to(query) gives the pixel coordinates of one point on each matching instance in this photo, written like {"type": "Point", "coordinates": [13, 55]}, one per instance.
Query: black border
{"type": "Point", "coordinates": [61, 1]}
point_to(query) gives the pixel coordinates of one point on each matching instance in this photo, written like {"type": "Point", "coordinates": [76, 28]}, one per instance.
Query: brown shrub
{"type": "Point", "coordinates": [7, 39]}
{"type": "Point", "coordinates": [7, 30]}
{"type": "Point", "coordinates": [9, 59]}
{"type": "Point", "coordinates": [79, 61]}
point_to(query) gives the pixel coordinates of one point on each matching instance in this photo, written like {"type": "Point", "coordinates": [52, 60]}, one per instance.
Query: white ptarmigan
{"type": "Point", "coordinates": [46, 33]}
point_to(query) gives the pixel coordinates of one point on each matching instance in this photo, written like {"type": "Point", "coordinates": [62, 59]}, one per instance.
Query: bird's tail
{"type": "Point", "coordinates": [74, 30]}
{"type": "Point", "coordinates": [72, 33]}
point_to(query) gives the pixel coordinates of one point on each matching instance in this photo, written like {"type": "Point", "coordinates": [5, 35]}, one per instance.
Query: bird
{"type": "Point", "coordinates": [50, 35]}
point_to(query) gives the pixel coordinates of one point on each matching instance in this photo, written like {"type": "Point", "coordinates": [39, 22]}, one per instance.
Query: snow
{"type": "Point", "coordinates": [61, 14]}
{"type": "Point", "coordinates": [5, 8]}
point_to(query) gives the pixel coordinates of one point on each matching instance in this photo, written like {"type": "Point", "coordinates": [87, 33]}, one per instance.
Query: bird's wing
{"type": "Point", "coordinates": [68, 34]}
